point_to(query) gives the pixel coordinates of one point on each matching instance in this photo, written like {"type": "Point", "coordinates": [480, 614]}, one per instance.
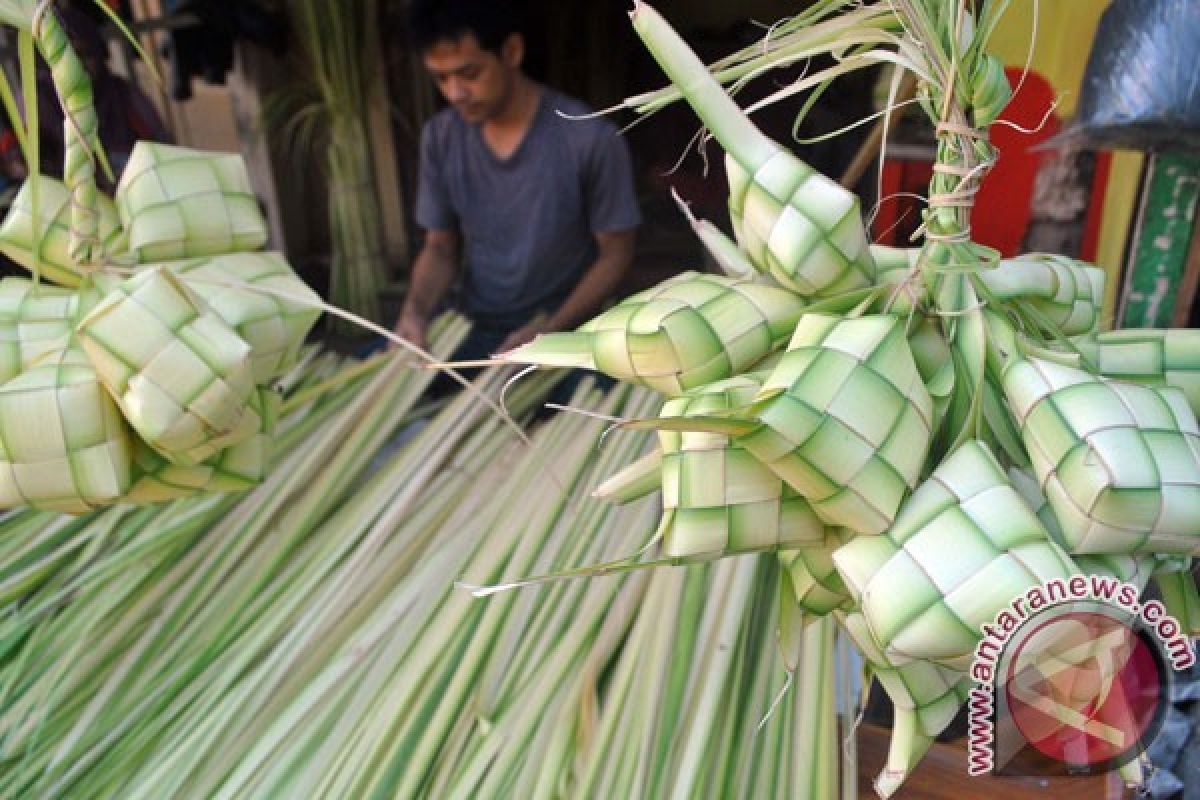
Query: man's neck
{"type": "Point", "coordinates": [504, 132]}
{"type": "Point", "coordinates": [519, 111]}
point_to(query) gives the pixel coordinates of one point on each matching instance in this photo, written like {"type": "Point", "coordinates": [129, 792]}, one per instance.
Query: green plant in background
{"type": "Point", "coordinates": [322, 119]}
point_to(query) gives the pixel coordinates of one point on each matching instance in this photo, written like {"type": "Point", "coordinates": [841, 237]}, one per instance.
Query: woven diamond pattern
{"type": "Point", "coordinates": [50, 241]}
{"type": "Point", "coordinates": [717, 498]}
{"type": "Point", "coordinates": [1119, 463]}
{"type": "Point", "coordinates": [799, 226]}
{"type": "Point", "coordinates": [964, 545]}
{"type": "Point", "coordinates": [35, 320]}
{"type": "Point", "coordinates": [1068, 292]}
{"type": "Point", "coordinates": [238, 467]}
{"type": "Point", "coordinates": [261, 298]}
{"type": "Point", "coordinates": [925, 698]}
{"type": "Point", "coordinates": [177, 203]}
{"type": "Point", "coordinates": [932, 692]}
{"type": "Point", "coordinates": [1149, 357]}
{"type": "Point", "coordinates": [689, 331]}
{"type": "Point", "coordinates": [1135, 569]}
{"type": "Point", "coordinates": [63, 444]}
{"type": "Point", "coordinates": [185, 382]}
{"type": "Point", "coordinates": [845, 419]}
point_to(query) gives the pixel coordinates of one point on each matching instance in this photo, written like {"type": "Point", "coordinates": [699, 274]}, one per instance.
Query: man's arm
{"type": "Point", "coordinates": [614, 254]}
{"type": "Point", "coordinates": [432, 273]}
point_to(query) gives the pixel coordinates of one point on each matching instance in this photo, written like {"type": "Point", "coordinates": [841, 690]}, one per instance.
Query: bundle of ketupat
{"type": "Point", "coordinates": [950, 429]}
{"type": "Point", "coordinates": [137, 364]}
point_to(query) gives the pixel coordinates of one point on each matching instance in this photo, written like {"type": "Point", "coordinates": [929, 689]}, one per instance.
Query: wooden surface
{"type": "Point", "coordinates": [942, 775]}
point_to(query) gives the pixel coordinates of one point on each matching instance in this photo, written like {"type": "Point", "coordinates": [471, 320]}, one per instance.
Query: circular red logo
{"type": "Point", "coordinates": [1085, 689]}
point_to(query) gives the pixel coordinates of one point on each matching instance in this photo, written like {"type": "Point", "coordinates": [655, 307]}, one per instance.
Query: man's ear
{"type": "Point", "coordinates": [512, 52]}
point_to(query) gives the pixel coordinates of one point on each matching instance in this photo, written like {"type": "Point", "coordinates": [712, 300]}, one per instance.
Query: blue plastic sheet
{"type": "Point", "coordinates": [1141, 89]}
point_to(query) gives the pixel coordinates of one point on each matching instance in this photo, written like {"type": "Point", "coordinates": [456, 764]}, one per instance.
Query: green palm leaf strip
{"type": "Point", "coordinates": [1182, 601]}
{"type": "Point", "coordinates": [642, 477]}
{"type": "Point", "coordinates": [80, 134]}
{"type": "Point", "coordinates": [1068, 294]}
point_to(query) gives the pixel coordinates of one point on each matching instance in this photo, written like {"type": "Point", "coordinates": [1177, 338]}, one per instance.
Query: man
{"type": "Point", "coordinates": [534, 211]}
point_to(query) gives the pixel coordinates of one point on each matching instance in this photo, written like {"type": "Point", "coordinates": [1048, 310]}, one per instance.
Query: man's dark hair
{"type": "Point", "coordinates": [489, 21]}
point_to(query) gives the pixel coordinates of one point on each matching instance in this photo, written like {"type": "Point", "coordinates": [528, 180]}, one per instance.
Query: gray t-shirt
{"type": "Point", "coordinates": [527, 222]}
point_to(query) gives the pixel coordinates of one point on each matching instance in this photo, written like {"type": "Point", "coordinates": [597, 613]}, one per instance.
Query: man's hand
{"type": "Point", "coordinates": [412, 327]}
{"type": "Point", "coordinates": [432, 274]}
{"type": "Point", "coordinates": [523, 334]}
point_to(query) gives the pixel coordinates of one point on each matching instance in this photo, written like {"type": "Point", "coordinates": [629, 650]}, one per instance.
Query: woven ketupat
{"type": "Point", "coordinates": [1135, 569]}
{"type": "Point", "coordinates": [963, 547]}
{"type": "Point", "coordinates": [238, 467]}
{"type": "Point", "coordinates": [178, 203]}
{"type": "Point", "coordinates": [180, 374]}
{"type": "Point", "coordinates": [803, 229]}
{"type": "Point", "coordinates": [1067, 292]}
{"type": "Point", "coordinates": [63, 444]}
{"type": "Point", "coordinates": [1119, 463]}
{"type": "Point", "coordinates": [35, 320]}
{"type": "Point", "coordinates": [686, 332]}
{"type": "Point", "coordinates": [249, 428]}
{"type": "Point", "coordinates": [809, 573]}
{"type": "Point", "coordinates": [717, 498]}
{"type": "Point", "coordinates": [925, 697]}
{"type": "Point", "coordinates": [261, 298]}
{"type": "Point", "coordinates": [794, 223]}
{"type": "Point", "coordinates": [51, 240]}
{"type": "Point", "coordinates": [1150, 357]}
{"type": "Point", "coordinates": [845, 419]}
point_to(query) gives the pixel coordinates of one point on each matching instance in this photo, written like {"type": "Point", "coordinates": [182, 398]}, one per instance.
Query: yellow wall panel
{"type": "Point", "coordinates": [1064, 33]}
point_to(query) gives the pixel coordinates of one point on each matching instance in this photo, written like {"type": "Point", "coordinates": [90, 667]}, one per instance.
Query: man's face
{"type": "Point", "coordinates": [476, 82]}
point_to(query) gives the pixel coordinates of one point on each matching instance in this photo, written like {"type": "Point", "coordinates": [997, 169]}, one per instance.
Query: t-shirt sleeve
{"type": "Point", "coordinates": [434, 211]}
{"type": "Point", "coordinates": [611, 197]}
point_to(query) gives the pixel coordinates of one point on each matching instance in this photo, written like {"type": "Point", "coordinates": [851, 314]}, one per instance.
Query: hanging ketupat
{"type": "Point", "coordinates": [64, 446]}
{"type": "Point", "coordinates": [145, 374]}
{"type": "Point", "coordinates": [914, 383]}
{"type": "Point", "coordinates": [688, 331]}
{"type": "Point", "coordinates": [914, 390]}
